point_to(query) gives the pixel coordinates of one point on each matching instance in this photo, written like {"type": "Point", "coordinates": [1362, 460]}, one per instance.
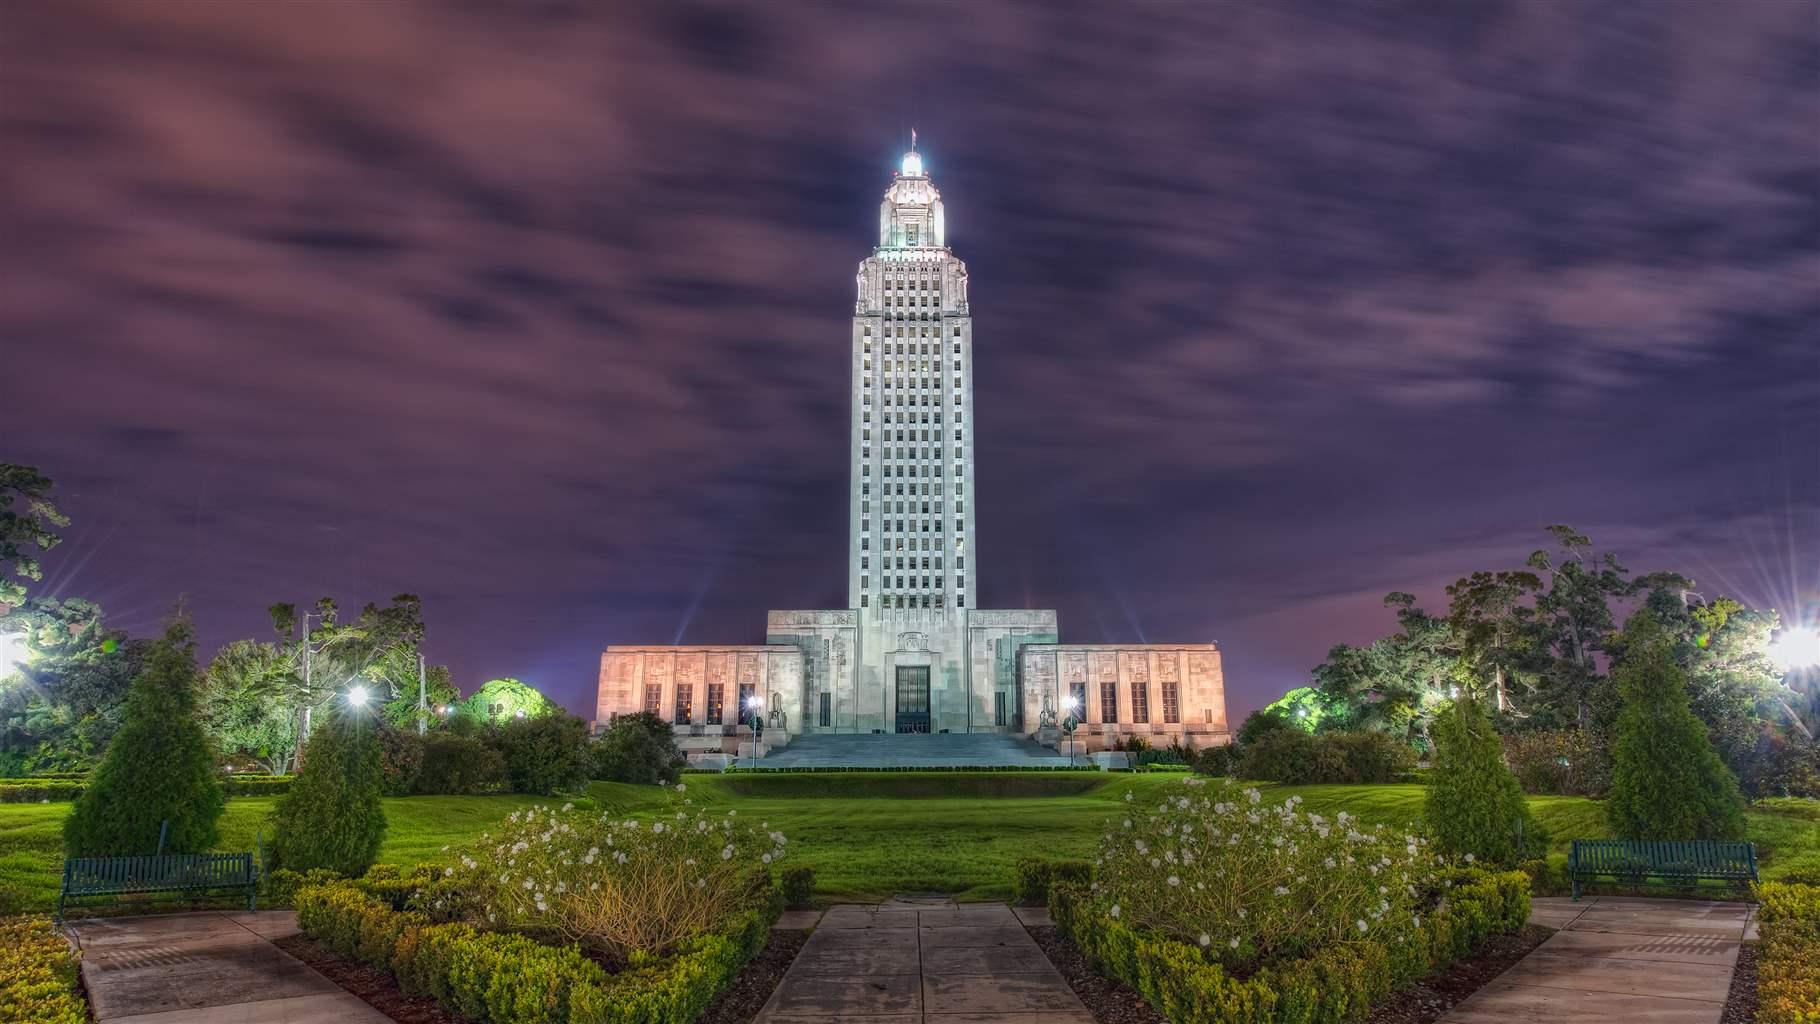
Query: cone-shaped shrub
{"type": "Point", "coordinates": [331, 817]}
{"type": "Point", "coordinates": [159, 767]}
{"type": "Point", "coordinates": [1667, 782]}
{"type": "Point", "coordinates": [1475, 805]}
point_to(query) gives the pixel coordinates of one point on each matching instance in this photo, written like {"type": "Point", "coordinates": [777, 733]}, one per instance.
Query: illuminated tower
{"type": "Point", "coordinates": [911, 546]}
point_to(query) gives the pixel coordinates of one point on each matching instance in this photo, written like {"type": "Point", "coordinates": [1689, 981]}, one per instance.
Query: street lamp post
{"type": "Point", "coordinates": [753, 703]}
{"type": "Point", "coordinates": [1070, 705]}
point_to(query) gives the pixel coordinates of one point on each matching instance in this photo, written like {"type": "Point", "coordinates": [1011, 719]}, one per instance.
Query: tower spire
{"type": "Point", "coordinates": [912, 138]}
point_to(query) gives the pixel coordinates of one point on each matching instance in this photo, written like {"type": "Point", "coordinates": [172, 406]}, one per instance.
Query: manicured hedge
{"type": "Point", "coordinates": [505, 978]}
{"type": "Point", "coordinates": [1332, 985]}
{"type": "Point", "coordinates": [1034, 877]}
{"type": "Point", "coordinates": [1788, 960]}
{"type": "Point", "coordinates": [37, 790]}
{"type": "Point", "coordinates": [31, 792]}
{"type": "Point", "coordinates": [797, 886]}
{"type": "Point", "coordinates": [38, 974]}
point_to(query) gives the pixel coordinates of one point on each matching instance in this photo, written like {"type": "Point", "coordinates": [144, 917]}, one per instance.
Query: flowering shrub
{"type": "Point", "coordinates": [1250, 884]}
{"type": "Point", "coordinates": [624, 890]}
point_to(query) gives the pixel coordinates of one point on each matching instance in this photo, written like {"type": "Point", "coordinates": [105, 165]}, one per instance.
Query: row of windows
{"type": "Point", "coordinates": [904, 365]}
{"type": "Point", "coordinates": [916, 526]}
{"type": "Point", "coordinates": [910, 601]}
{"type": "Point", "coordinates": [959, 488]}
{"type": "Point", "coordinates": [960, 542]}
{"type": "Point", "coordinates": [884, 582]}
{"type": "Point", "coordinates": [907, 454]}
{"type": "Point", "coordinates": [908, 400]}
{"type": "Point", "coordinates": [913, 469]}
{"type": "Point", "coordinates": [1140, 701]}
{"type": "Point", "coordinates": [912, 416]}
{"type": "Point", "coordinates": [865, 434]}
{"type": "Point", "coordinates": [960, 562]}
{"type": "Point", "coordinates": [921, 332]}
{"type": "Point", "coordinates": [960, 507]}
{"type": "Point", "coordinates": [715, 712]}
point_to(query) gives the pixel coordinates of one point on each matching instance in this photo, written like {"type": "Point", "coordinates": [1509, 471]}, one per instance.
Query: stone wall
{"type": "Point", "coordinates": [1132, 682]}
{"type": "Point", "coordinates": [775, 674]}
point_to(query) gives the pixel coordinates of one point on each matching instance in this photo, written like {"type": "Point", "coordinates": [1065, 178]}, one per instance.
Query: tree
{"type": "Point", "coordinates": [160, 767]}
{"type": "Point", "coordinates": [378, 650]}
{"type": "Point", "coordinates": [26, 521]}
{"type": "Point", "coordinates": [639, 748]}
{"type": "Point", "coordinates": [501, 700]}
{"type": "Point", "coordinates": [1474, 804]}
{"type": "Point", "coordinates": [1306, 706]}
{"type": "Point", "coordinates": [1667, 781]}
{"type": "Point", "coordinates": [332, 816]}
{"type": "Point", "coordinates": [74, 685]}
{"type": "Point", "coordinates": [248, 704]}
{"type": "Point", "coordinates": [1494, 628]}
{"type": "Point", "coordinates": [546, 755]}
{"type": "Point", "coordinates": [1394, 684]}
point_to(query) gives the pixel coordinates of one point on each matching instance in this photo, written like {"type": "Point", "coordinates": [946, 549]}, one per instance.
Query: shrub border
{"type": "Point", "coordinates": [38, 974]}
{"type": "Point", "coordinates": [1788, 953]}
{"type": "Point", "coordinates": [506, 978]}
{"type": "Point", "coordinates": [889, 769]}
{"type": "Point", "coordinates": [1333, 984]}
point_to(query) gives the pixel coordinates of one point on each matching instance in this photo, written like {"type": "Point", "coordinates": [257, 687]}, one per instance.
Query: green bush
{"type": "Point", "coordinates": [797, 885]}
{"type": "Point", "coordinates": [268, 785]}
{"type": "Point", "coordinates": [1260, 724]}
{"type": "Point", "coordinates": [639, 748]}
{"type": "Point", "coordinates": [1292, 756]}
{"type": "Point", "coordinates": [1033, 877]}
{"type": "Point", "coordinates": [1217, 762]}
{"type": "Point", "coordinates": [332, 817]}
{"type": "Point", "coordinates": [455, 765]}
{"type": "Point", "coordinates": [1329, 985]}
{"type": "Point", "coordinates": [546, 755]}
{"type": "Point", "coordinates": [1558, 762]}
{"type": "Point", "coordinates": [401, 754]}
{"type": "Point", "coordinates": [49, 791]}
{"type": "Point", "coordinates": [159, 768]}
{"type": "Point", "coordinates": [38, 972]}
{"type": "Point", "coordinates": [1667, 781]}
{"type": "Point", "coordinates": [1788, 957]}
{"type": "Point", "coordinates": [507, 978]}
{"type": "Point", "coordinates": [1474, 806]}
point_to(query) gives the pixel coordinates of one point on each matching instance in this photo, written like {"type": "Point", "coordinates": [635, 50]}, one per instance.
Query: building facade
{"type": "Point", "coordinates": [913, 652]}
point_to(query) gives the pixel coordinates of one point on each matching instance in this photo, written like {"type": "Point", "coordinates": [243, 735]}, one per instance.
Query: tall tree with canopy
{"type": "Point", "coordinates": [28, 522]}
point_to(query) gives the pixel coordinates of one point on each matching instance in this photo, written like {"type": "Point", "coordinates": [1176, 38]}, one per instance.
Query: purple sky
{"type": "Point", "coordinates": [540, 309]}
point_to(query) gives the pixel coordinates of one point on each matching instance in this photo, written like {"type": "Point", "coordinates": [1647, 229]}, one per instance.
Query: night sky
{"type": "Point", "coordinates": [540, 309]}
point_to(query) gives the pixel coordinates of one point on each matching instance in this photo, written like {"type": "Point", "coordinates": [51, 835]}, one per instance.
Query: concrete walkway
{"type": "Point", "coordinates": [1619, 960]}
{"type": "Point", "coordinates": [971, 964]}
{"type": "Point", "coordinates": [207, 968]}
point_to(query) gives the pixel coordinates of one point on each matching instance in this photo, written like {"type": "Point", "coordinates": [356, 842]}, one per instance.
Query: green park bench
{"type": "Point", "coordinates": [172, 875]}
{"type": "Point", "coordinates": [1678, 863]}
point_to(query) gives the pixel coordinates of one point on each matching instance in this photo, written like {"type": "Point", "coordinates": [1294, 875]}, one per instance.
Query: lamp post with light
{"type": "Point", "coordinates": [1070, 705]}
{"type": "Point", "coordinates": [753, 704]}
{"type": "Point", "coordinates": [1796, 649]}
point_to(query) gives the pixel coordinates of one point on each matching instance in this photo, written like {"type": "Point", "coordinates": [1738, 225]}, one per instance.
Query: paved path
{"type": "Point", "coordinates": [971, 964]}
{"type": "Point", "coordinates": [1618, 960]}
{"type": "Point", "coordinates": [207, 968]}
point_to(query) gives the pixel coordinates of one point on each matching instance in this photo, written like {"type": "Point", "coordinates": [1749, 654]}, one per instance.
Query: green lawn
{"type": "Point", "coordinates": [869, 836]}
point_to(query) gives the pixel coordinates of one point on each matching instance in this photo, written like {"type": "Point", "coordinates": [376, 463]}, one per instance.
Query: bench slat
{"type": "Point", "coordinates": [1673, 861]}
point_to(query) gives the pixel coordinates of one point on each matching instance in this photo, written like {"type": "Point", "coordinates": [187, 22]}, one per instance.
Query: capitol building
{"type": "Point", "coordinates": [913, 652]}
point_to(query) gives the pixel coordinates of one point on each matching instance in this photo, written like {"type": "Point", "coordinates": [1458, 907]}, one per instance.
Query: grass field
{"type": "Point", "coordinates": [869, 836]}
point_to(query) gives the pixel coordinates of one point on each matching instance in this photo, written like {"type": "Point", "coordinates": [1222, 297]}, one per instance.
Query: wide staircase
{"type": "Point", "coordinates": [912, 750]}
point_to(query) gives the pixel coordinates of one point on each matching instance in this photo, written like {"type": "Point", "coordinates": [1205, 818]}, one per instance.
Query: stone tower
{"type": "Point", "coordinates": [910, 504]}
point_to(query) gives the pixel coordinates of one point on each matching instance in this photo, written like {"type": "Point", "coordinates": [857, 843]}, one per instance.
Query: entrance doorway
{"type": "Point", "coordinates": [913, 698]}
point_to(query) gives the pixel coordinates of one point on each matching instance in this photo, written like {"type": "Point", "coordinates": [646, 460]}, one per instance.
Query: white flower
{"type": "Point", "coordinates": [1234, 943]}
{"type": "Point", "coordinates": [1469, 858]}
{"type": "Point", "coordinates": [1361, 923]}
{"type": "Point", "coordinates": [566, 808]}
{"type": "Point", "coordinates": [1206, 939]}
{"type": "Point", "coordinates": [657, 827]}
{"type": "Point", "coordinates": [766, 858]}
{"type": "Point", "coordinates": [1114, 911]}
{"type": "Point", "coordinates": [682, 787]}
{"type": "Point", "coordinates": [1174, 880]}
{"type": "Point", "coordinates": [726, 853]}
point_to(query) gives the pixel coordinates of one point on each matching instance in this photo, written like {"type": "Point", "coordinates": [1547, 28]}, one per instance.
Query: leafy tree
{"type": "Point", "coordinates": [1667, 781]}
{"type": "Point", "coordinates": [1474, 805]}
{"type": "Point", "coordinates": [546, 755]}
{"type": "Point", "coordinates": [639, 748]}
{"type": "Point", "coordinates": [332, 816]}
{"type": "Point", "coordinates": [1394, 684]}
{"type": "Point", "coordinates": [1494, 628]}
{"type": "Point", "coordinates": [401, 710]}
{"type": "Point", "coordinates": [73, 688]}
{"type": "Point", "coordinates": [1306, 706]}
{"type": "Point", "coordinates": [459, 765]}
{"type": "Point", "coordinates": [502, 700]}
{"type": "Point", "coordinates": [27, 518]}
{"type": "Point", "coordinates": [1260, 724]}
{"type": "Point", "coordinates": [249, 706]}
{"type": "Point", "coordinates": [159, 768]}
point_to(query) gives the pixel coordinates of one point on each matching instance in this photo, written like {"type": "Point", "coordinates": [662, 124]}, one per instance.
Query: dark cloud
{"type": "Point", "coordinates": [539, 310]}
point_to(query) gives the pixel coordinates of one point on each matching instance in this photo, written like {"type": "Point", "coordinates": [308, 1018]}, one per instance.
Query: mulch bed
{"type": "Point", "coordinates": [1113, 1002]}
{"type": "Point", "coordinates": [375, 987]}
{"type": "Point", "coordinates": [1741, 1002]}
{"type": "Point", "coordinates": [378, 989]}
{"type": "Point", "coordinates": [748, 993]}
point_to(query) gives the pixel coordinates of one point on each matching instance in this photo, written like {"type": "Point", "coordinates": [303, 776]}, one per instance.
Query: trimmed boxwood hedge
{"type": "Point", "coordinates": [825, 769]}
{"type": "Point", "coordinates": [1334, 984]}
{"type": "Point", "coordinates": [31, 791]}
{"type": "Point", "coordinates": [1788, 959]}
{"type": "Point", "coordinates": [1033, 878]}
{"type": "Point", "coordinates": [38, 974]}
{"type": "Point", "coordinates": [506, 978]}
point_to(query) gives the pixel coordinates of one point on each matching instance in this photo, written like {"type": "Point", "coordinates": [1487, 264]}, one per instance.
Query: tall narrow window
{"type": "Point", "coordinates": [998, 708]}
{"type": "Point", "coordinates": [1140, 702]}
{"type": "Point", "coordinates": [826, 719]}
{"type": "Point", "coordinates": [1109, 701]}
{"type": "Point", "coordinates": [747, 691]}
{"type": "Point", "coordinates": [654, 697]}
{"type": "Point", "coordinates": [1172, 702]}
{"type": "Point", "coordinates": [685, 704]}
{"type": "Point", "coordinates": [717, 700]}
{"type": "Point", "coordinates": [1077, 695]}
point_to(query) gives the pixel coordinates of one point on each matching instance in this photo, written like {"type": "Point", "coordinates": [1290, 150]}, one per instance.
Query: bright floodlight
{"type": "Point", "coordinates": [1070, 703]}
{"type": "Point", "coordinates": [753, 701]}
{"type": "Point", "coordinates": [913, 165]}
{"type": "Point", "coordinates": [13, 651]}
{"type": "Point", "coordinates": [357, 696]}
{"type": "Point", "coordinates": [1796, 648]}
